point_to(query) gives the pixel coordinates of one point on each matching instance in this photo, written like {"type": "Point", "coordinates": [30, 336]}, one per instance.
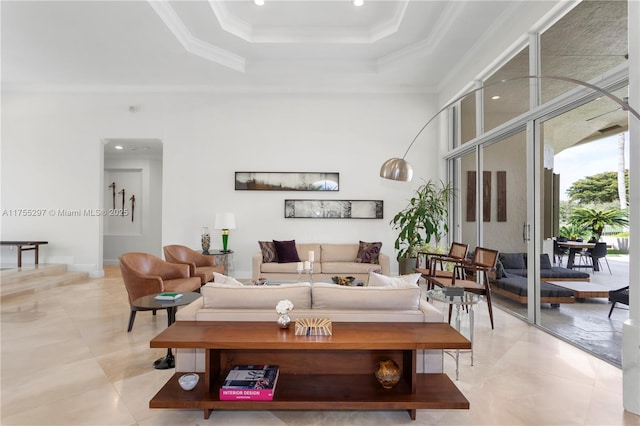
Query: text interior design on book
{"type": "Point", "coordinates": [250, 382]}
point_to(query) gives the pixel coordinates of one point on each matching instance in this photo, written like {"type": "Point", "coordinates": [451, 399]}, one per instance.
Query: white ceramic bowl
{"type": "Point", "coordinates": [188, 381]}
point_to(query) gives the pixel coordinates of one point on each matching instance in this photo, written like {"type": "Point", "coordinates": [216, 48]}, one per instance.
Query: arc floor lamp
{"type": "Point", "coordinates": [400, 169]}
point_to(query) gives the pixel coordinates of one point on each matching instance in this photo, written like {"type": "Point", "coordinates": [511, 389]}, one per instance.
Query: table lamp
{"type": "Point", "coordinates": [225, 221]}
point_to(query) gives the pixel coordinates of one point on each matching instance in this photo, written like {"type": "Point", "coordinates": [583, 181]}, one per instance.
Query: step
{"type": "Point", "coordinates": [36, 278]}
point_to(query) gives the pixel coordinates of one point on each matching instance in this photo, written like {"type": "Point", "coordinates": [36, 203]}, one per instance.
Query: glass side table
{"type": "Point", "coordinates": [225, 258]}
{"type": "Point", "coordinates": [466, 299]}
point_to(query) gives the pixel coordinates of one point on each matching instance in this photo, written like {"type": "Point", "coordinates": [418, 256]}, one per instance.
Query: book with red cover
{"type": "Point", "coordinates": [250, 383]}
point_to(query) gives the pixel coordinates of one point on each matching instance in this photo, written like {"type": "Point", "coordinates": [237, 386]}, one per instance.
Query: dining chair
{"type": "Point", "coordinates": [597, 253]}
{"type": "Point", "coordinates": [430, 264]}
{"type": "Point", "coordinates": [559, 252]}
{"type": "Point", "coordinates": [473, 277]}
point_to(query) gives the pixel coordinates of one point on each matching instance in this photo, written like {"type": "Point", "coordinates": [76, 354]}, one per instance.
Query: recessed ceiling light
{"type": "Point", "coordinates": [118, 147]}
{"type": "Point", "coordinates": [495, 98]}
{"type": "Point", "coordinates": [258, 2]}
{"type": "Point", "coordinates": [358, 2]}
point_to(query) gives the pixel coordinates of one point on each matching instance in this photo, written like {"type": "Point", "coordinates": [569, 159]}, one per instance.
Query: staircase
{"type": "Point", "coordinates": [16, 281]}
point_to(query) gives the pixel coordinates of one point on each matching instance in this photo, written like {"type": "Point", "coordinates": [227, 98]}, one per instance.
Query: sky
{"type": "Point", "coordinates": [588, 159]}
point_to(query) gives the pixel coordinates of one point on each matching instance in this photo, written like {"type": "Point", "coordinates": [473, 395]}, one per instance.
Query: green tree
{"type": "Point", "coordinates": [599, 188]}
{"type": "Point", "coordinates": [595, 220]}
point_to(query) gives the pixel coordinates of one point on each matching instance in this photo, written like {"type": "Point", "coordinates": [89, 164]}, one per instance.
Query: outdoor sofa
{"type": "Point", "coordinates": [511, 279]}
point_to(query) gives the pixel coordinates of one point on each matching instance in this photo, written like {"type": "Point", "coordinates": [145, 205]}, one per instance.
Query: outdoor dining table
{"type": "Point", "coordinates": [575, 247]}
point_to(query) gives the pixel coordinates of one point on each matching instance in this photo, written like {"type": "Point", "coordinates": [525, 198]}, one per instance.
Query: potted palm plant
{"type": "Point", "coordinates": [423, 219]}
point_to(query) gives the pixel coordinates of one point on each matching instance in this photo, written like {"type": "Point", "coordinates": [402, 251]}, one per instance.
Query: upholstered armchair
{"type": "Point", "coordinates": [144, 274]}
{"type": "Point", "coordinates": [200, 265]}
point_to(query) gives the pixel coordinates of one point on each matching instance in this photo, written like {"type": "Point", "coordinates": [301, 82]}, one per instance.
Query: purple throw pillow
{"type": "Point", "coordinates": [368, 252]}
{"type": "Point", "coordinates": [286, 250]}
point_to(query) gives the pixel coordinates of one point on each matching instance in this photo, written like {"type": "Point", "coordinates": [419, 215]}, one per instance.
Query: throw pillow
{"type": "Point", "coordinates": [512, 260]}
{"type": "Point", "coordinates": [218, 278]}
{"type": "Point", "coordinates": [545, 263]}
{"type": "Point", "coordinates": [379, 280]}
{"type": "Point", "coordinates": [368, 252]}
{"type": "Point", "coordinates": [268, 249]}
{"type": "Point", "coordinates": [499, 270]}
{"type": "Point", "coordinates": [286, 250]}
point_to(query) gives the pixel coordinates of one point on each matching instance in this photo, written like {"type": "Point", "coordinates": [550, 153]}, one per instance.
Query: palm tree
{"type": "Point", "coordinates": [595, 220]}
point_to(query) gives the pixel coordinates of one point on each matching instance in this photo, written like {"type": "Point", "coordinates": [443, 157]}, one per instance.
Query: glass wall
{"type": "Point", "coordinates": [505, 101]}
{"type": "Point", "coordinates": [468, 118]}
{"type": "Point", "coordinates": [509, 198]}
{"type": "Point", "coordinates": [504, 209]}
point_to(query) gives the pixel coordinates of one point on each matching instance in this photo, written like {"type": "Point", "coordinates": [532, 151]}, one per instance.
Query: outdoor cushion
{"type": "Point", "coordinates": [499, 269]}
{"type": "Point", "coordinates": [560, 272]}
{"type": "Point", "coordinates": [513, 260]}
{"type": "Point", "coordinates": [518, 285]}
{"type": "Point", "coordinates": [545, 263]}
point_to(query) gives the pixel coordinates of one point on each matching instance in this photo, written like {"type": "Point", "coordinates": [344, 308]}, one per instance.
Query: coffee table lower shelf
{"type": "Point", "coordinates": [323, 392]}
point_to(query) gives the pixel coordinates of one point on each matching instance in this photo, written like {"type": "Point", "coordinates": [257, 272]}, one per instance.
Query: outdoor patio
{"type": "Point", "coordinates": [585, 323]}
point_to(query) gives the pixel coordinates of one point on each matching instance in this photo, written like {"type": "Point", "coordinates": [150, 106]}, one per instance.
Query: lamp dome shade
{"type": "Point", "coordinates": [225, 221]}
{"type": "Point", "coordinates": [396, 169]}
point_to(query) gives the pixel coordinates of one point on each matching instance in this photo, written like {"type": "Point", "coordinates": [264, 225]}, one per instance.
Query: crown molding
{"type": "Point", "coordinates": [193, 44]}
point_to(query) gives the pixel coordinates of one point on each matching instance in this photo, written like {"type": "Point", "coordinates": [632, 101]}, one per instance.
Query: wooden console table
{"type": "Point", "coordinates": [316, 372]}
{"type": "Point", "coordinates": [24, 246]}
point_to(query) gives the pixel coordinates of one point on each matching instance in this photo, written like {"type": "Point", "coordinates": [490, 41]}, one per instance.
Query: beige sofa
{"type": "Point", "coordinates": [330, 260]}
{"type": "Point", "coordinates": [224, 302]}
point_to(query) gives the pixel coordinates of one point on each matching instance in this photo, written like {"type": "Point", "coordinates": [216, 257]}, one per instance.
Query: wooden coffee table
{"type": "Point", "coordinates": [583, 289]}
{"type": "Point", "coordinates": [316, 372]}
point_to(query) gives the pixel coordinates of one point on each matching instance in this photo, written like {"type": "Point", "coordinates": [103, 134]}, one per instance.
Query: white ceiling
{"type": "Point", "coordinates": [383, 45]}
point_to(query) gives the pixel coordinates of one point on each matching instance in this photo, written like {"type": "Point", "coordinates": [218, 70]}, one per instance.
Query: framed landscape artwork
{"type": "Point", "coordinates": [287, 181]}
{"type": "Point", "coordinates": [333, 209]}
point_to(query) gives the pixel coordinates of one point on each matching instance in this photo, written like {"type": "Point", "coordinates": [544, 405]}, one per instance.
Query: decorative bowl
{"type": "Point", "coordinates": [188, 381]}
{"type": "Point", "coordinates": [343, 280]}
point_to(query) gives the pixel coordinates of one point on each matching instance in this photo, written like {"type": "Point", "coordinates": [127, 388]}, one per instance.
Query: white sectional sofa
{"type": "Point", "coordinates": [330, 260]}
{"type": "Point", "coordinates": [225, 302]}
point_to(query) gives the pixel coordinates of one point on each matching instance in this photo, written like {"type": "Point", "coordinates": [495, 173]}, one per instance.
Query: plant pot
{"type": "Point", "coordinates": [407, 265]}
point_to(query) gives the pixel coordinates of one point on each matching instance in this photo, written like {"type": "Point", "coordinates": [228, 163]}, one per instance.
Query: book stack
{"type": "Point", "coordinates": [168, 296]}
{"type": "Point", "coordinates": [250, 383]}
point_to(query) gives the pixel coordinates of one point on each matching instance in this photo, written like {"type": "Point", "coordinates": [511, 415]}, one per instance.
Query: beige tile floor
{"type": "Point", "coordinates": [66, 359]}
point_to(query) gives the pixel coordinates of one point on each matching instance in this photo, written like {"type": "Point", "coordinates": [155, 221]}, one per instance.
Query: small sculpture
{"type": "Point", "coordinates": [387, 373]}
{"type": "Point", "coordinates": [283, 308]}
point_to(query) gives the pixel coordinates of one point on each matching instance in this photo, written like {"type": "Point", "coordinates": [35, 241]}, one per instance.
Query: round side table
{"type": "Point", "coordinates": [150, 302]}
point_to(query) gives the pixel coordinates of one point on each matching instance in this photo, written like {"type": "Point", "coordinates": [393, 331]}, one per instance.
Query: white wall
{"type": "Point", "coordinates": [206, 138]}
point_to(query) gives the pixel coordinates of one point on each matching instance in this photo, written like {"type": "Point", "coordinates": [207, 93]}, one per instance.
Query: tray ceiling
{"type": "Point", "coordinates": [386, 45]}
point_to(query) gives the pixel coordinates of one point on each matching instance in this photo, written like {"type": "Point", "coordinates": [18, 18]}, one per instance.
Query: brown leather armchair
{"type": "Point", "coordinates": [144, 274]}
{"type": "Point", "coordinates": [200, 265]}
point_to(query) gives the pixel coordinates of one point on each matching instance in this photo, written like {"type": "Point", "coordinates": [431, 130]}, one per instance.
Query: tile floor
{"type": "Point", "coordinates": [68, 360]}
